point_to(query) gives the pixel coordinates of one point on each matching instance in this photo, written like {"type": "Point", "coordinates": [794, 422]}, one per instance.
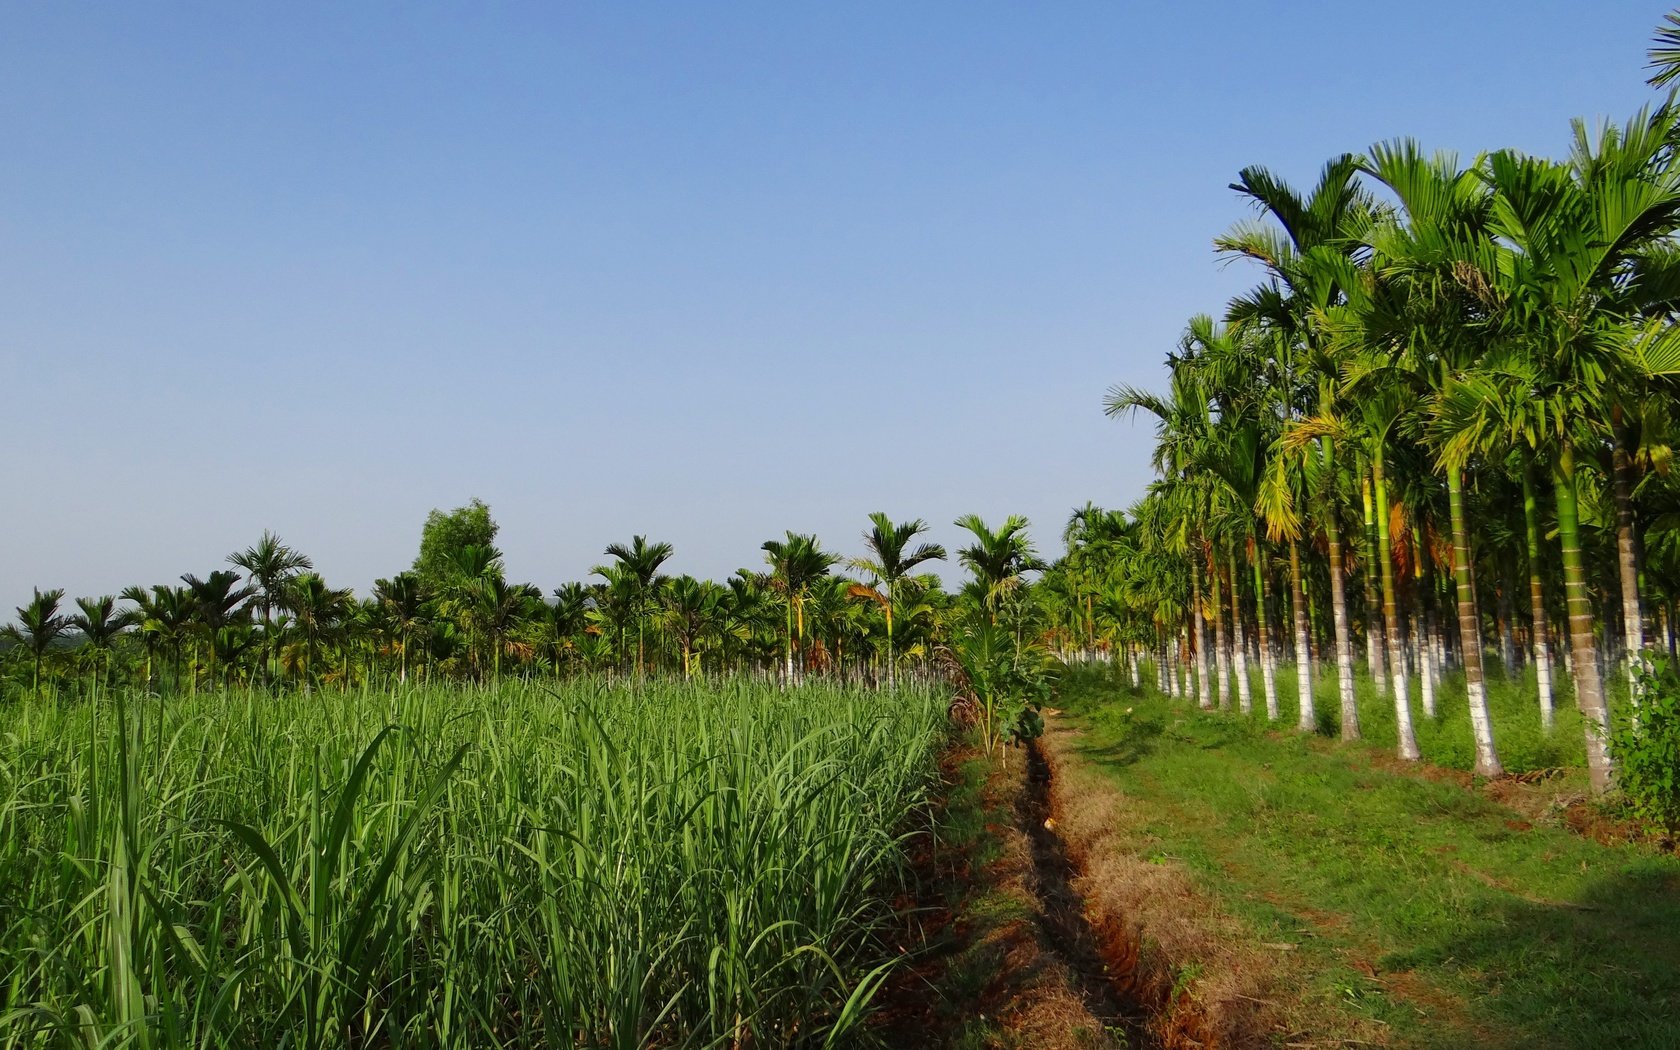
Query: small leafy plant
{"type": "Point", "coordinates": [1647, 748]}
{"type": "Point", "coordinates": [1004, 683]}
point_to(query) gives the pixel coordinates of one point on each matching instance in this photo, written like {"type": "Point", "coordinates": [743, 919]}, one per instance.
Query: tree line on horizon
{"type": "Point", "coordinates": [271, 619]}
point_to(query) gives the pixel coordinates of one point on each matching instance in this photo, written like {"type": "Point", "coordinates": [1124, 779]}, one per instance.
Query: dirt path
{"type": "Point", "coordinates": [1093, 957]}
{"type": "Point", "coordinates": [1003, 952]}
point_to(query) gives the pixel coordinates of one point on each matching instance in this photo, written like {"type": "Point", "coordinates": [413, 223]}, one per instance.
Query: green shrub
{"type": "Point", "coordinates": [1647, 749]}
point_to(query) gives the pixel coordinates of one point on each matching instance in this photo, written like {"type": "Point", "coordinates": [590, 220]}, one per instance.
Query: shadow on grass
{"type": "Point", "coordinates": [1134, 742]}
{"type": "Point", "coordinates": [1600, 970]}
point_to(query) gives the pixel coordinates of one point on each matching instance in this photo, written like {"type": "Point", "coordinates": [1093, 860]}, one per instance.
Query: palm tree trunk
{"type": "Point", "coordinates": [1204, 698]}
{"type": "Point", "coordinates": [1268, 672]}
{"type": "Point", "coordinates": [1307, 721]}
{"type": "Point", "coordinates": [1245, 701]}
{"type": "Point", "coordinates": [892, 668]}
{"type": "Point", "coordinates": [1423, 627]}
{"type": "Point", "coordinates": [1469, 631]}
{"type": "Point", "coordinates": [1589, 687]}
{"type": "Point", "coordinates": [1344, 643]}
{"type": "Point", "coordinates": [1407, 739]}
{"type": "Point", "coordinates": [1537, 600]}
{"type": "Point", "coordinates": [1373, 642]}
{"type": "Point", "coordinates": [1627, 553]}
{"type": "Point", "coordinates": [789, 647]}
{"type": "Point", "coordinates": [1221, 657]}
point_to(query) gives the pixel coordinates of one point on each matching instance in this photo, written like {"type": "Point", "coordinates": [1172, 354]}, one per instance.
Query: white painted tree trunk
{"type": "Point", "coordinates": [1204, 697]}
{"type": "Point", "coordinates": [1307, 719]}
{"type": "Point", "coordinates": [1245, 701]}
{"type": "Point", "coordinates": [1221, 656]}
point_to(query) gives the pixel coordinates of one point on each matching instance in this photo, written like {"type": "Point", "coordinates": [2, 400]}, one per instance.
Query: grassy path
{"type": "Point", "coordinates": [1435, 914]}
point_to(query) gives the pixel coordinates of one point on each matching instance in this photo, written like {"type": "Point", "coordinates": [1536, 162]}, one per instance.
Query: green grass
{"type": "Point", "coordinates": [1481, 929]}
{"type": "Point", "coordinates": [1446, 739]}
{"type": "Point", "coordinates": [608, 867]}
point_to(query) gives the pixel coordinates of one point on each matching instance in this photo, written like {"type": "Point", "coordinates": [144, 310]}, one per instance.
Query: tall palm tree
{"type": "Point", "coordinates": [794, 563]}
{"type": "Point", "coordinates": [1664, 53]}
{"type": "Point", "coordinates": [1305, 250]}
{"type": "Point", "coordinates": [639, 564]}
{"type": "Point", "coordinates": [217, 602]}
{"type": "Point", "coordinates": [568, 618]}
{"type": "Point", "coordinates": [999, 559]}
{"type": "Point", "coordinates": [890, 560]}
{"type": "Point", "coordinates": [1555, 279]}
{"type": "Point", "coordinates": [1422, 317]}
{"type": "Point", "coordinates": [39, 626]}
{"type": "Point", "coordinates": [319, 616]}
{"type": "Point", "coordinates": [269, 566]}
{"type": "Point", "coordinates": [165, 620]}
{"type": "Point", "coordinates": [403, 599]}
{"type": "Point", "coordinates": [692, 611]}
{"type": "Point", "coordinates": [100, 623]}
{"type": "Point", "coordinates": [1184, 425]}
{"type": "Point", "coordinates": [497, 607]}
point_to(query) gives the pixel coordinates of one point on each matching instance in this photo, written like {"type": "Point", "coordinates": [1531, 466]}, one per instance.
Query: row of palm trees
{"type": "Point", "coordinates": [272, 620]}
{"type": "Point", "coordinates": [1451, 394]}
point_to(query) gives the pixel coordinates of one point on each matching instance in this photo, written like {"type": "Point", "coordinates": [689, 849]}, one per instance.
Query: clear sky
{"type": "Point", "coordinates": [703, 271]}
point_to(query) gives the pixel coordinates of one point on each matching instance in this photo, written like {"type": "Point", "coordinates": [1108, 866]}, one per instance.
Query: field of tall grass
{"type": "Point", "coordinates": [598, 866]}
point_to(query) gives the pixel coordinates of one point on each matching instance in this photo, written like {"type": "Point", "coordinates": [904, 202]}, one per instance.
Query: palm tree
{"type": "Point", "coordinates": [693, 610]}
{"type": "Point", "coordinates": [100, 623]}
{"type": "Point", "coordinates": [891, 560]}
{"type": "Point", "coordinates": [1664, 54]}
{"type": "Point", "coordinates": [568, 618]}
{"type": "Point", "coordinates": [639, 565]}
{"type": "Point", "coordinates": [403, 599]}
{"type": "Point", "coordinates": [1556, 282]}
{"type": "Point", "coordinates": [1306, 251]}
{"type": "Point", "coordinates": [269, 566]}
{"type": "Point", "coordinates": [998, 559]}
{"type": "Point", "coordinates": [498, 606]}
{"type": "Point", "coordinates": [319, 615]}
{"type": "Point", "coordinates": [1184, 421]}
{"type": "Point", "coordinates": [794, 563]}
{"type": "Point", "coordinates": [1417, 307]}
{"type": "Point", "coordinates": [39, 626]}
{"type": "Point", "coordinates": [217, 603]}
{"type": "Point", "coordinates": [165, 618]}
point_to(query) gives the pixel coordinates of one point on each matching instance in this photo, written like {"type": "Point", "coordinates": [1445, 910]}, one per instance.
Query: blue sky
{"type": "Point", "coordinates": [702, 271]}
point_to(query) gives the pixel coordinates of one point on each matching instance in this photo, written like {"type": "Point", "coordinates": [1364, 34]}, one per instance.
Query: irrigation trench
{"type": "Point", "coordinates": [1100, 958]}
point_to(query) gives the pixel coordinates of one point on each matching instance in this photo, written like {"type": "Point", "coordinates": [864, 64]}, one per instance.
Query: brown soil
{"type": "Point", "coordinates": [992, 957]}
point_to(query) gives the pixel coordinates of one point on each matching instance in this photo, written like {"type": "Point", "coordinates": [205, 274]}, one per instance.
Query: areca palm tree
{"type": "Point", "coordinates": [497, 607]}
{"type": "Point", "coordinates": [639, 564]}
{"type": "Point", "coordinates": [319, 616]}
{"type": "Point", "coordinates": [794, 563]}
{"type": "Point", "coordinates": [1184, 426]}
{"type": "Point", "coordinates": [1555, 280]}
{"type": "Point", "coordinates": [269, 566]}
{"type": "Point", "coordinates": [890, 560]}
{"type": "Point", "coordinates": [1305, 249]}
{"type": "Point", "coordinates": [101, 623]}
{"type": "Point", "coordinates": [217, 602]}
{"type": "Point", "coordinates": [693, 612]}
{"type": "Point", "coordinates": [568, 618]}
{"type": "Point", "coordinates": [1414, 329]}
{"type": "Point", "coordinates": [165, 619]}
{"type": "Point", "coordinates": [403, 599]}
{"type": "Point", "coordinates": [38, 627]}
{"type": "Point", "coordinates": [998, 558]}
